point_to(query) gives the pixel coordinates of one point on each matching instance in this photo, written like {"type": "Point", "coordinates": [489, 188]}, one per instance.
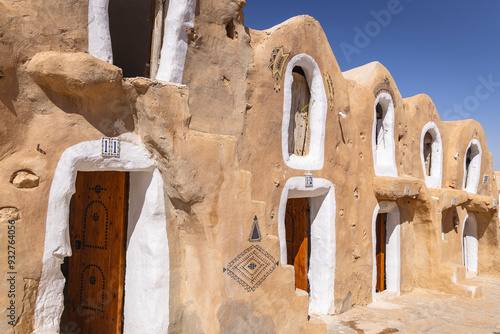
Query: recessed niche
{"type": "Point", "coordinates": [24, 179]}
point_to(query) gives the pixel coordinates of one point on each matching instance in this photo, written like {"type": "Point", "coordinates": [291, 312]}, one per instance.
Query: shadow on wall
{"type": "Point", "coordinates": [9, 88]}
{"type": "Point", "coordinates": [109, 111]}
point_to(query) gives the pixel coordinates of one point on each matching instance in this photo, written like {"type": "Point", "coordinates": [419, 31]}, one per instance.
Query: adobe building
{"type": "Point", "coordinates": [219, 179]}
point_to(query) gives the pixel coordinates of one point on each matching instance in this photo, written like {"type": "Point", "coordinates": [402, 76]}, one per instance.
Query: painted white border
{"type": "Point", "coordinates": [317, 114]}
{"type": "Point", "coordinates": [436, 177]}
{"type": "Point", "coordinates": [147, 275]}
{"type": "Point", "coordinates": [393, 247]}
{"type": "Point", "coordinates": [323, 242]}
{"type": "Point", "coordinates": [179, 20]}
{"type": "Point", "coordinates": [470, 245]}
{"type": "Point", "coordinates": [474, 167]}
{"type": "Point", "coordinates": [384, 158]}
{"type": "Point", "coordinates": [99, 35]}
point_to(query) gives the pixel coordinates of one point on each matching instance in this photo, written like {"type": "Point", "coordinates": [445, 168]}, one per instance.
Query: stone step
{"type": "Point", "coordinates": [459, 275]}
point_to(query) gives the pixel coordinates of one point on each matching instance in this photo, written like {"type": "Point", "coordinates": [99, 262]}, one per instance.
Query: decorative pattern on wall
{"type": "Point", "coordinates": [251, 267]}
{"type": "Point", "coordinates": [277, 65]}
{"type": "Point", "coordinates": [475, 135]}
{"type": "Point", "coordinates": [255, 235]}
{"type": "Point", "coordinates": [330, 90]}
{"type": "Point", "coordinates": [384, 86]}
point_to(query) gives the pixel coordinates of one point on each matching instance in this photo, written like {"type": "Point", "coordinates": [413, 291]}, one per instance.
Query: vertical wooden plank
{"type": "Point", "coordinates": [381, 244]}
{"type": "Point", "coordinates": [94, 298]}
{"type": "Point", "coordinates": [297, 228]}
{"type": "Point", "coordinates": [299, 129]}
{"type": "Point", "coordinates": [157, 36]}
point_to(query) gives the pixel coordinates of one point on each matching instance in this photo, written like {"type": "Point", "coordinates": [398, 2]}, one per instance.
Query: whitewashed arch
{"type": "Point", "coordinates": [470, 245]}
{"type": "Point", "coordinates": [471, 179]}
{"type": "Point", "coordinates": [435, 179]}
{"type": "Point", "coordinates": [384, 154]}
{"type": "Point", "coordinates": [180, 18]}
{"type": "Point", "coordinates": [322, 258]}
{"type": "Point", "coordinates": [393, 247]}
{"type": "Point", "coordinates": [147, 255]}
{"type": "Point", "coordinates": [317, 114]}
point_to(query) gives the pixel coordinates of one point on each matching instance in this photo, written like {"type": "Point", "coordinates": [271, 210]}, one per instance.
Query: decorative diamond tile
{"type": "Point", "coordinates": [251, 267]}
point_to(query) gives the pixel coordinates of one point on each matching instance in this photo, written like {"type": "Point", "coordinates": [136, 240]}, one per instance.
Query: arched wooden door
{"type": "Point", "coordinates": [95, 274]}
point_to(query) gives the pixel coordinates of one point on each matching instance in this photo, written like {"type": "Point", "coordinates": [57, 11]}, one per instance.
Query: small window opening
{"type": "Point", "coordinates": [131, 27]}
{"type": "Point", "coordinates": [467, 164]}
{"type": "Point", "coordinates": [231, 30]}
{"type": "Point", "coordinates": [299, 133]}
{"type": "Point", "coordinates": [428, 153]}
{"type": "Point", "coordinates": [379, 130]}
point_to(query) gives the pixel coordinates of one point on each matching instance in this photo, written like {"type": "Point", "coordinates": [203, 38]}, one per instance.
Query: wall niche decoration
{"type": "Point", "coordinates": [251, 267]}
{"type": "Point", "coordinates": [277, 64]}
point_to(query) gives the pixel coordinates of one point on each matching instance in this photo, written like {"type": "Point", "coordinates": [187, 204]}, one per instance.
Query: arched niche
{"type": "Point", "coordinates": [312, 115]}
{"type": "Point", "coordinates": [472, 166]}
{"type": "Point", "coordinates": [383, 146]}
{"type": "Point", "coordinates": [431, 155]}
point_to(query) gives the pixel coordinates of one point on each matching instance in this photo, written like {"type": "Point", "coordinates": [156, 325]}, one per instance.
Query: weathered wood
{"type": "Point", "coordinates": [94, 297]}
{"type": "Point", "coordinates": [299, 129]}
{"type": "Point", "coordinates": [297, 231]}
{"type": "Point", "coordinates": [157, 37]}
{"type": "Point", "coordinates": [380, 231]}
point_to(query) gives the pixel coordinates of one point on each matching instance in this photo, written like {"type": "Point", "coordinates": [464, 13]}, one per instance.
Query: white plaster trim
{"type": "Point", "coordinates": [147, 251]}
{"type": "Point", "coordinates": [99, 34]}
{"type": "Point", "coordinates": [474, 167]}
{"type": "Point", "coordinates": [317, 114]}
{"type": "Point", "coordinates": [393, 247]}
{"type": "Point", "coordinates": [470, 246]}
{"type": "Point", "coordinates": [179, 20]}
{"type": "Point", "coordinates": [384, 156]}
{"type": "Point", "coordinates": [435, 179]}
{"type": "Point", "coordinates": [323, 242]}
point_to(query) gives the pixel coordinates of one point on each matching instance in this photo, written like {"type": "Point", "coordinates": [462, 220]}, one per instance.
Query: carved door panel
{"type": "Point", "coordinates": [94, 296]}
{"type": "Point", "coordinates": [297, 239]}
{"type": "Point", "coordinates": [381, 245]}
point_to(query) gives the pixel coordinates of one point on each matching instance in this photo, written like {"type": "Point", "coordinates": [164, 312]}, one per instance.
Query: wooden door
{"type": "Point", "coordinates": [297, 239]}
{"type": "Point", "coordinates": [381, 254]}
{"type": "Point", "coordinates": [96, 271]}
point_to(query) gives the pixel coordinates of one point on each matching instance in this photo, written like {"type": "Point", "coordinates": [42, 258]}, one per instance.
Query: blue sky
{"type": "Point", "coordinates": [448, 49]}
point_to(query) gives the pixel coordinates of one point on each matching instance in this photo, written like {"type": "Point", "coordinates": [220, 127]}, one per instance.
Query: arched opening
{"type": "Point", "coordinates": [131, 28]}
{"type": "Point", "coordinates": [306, 227]}
{"type": "Point", "coordinates": [383, 147]}
{"type": "Point", "coordinates": [472, 166]}
{"type": "Point", "coordinates": [386, 250]}
{"type": "Point", "coordinates": [431, 154]}
{"type": "Point", "coordinates": [470, 244]}
{"type": "Point", "coordinates": [299, 129]}
{"type": "Point", "coordinates": [304, 114]}
{"type": "Point", "coordinates": [147, 254]}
